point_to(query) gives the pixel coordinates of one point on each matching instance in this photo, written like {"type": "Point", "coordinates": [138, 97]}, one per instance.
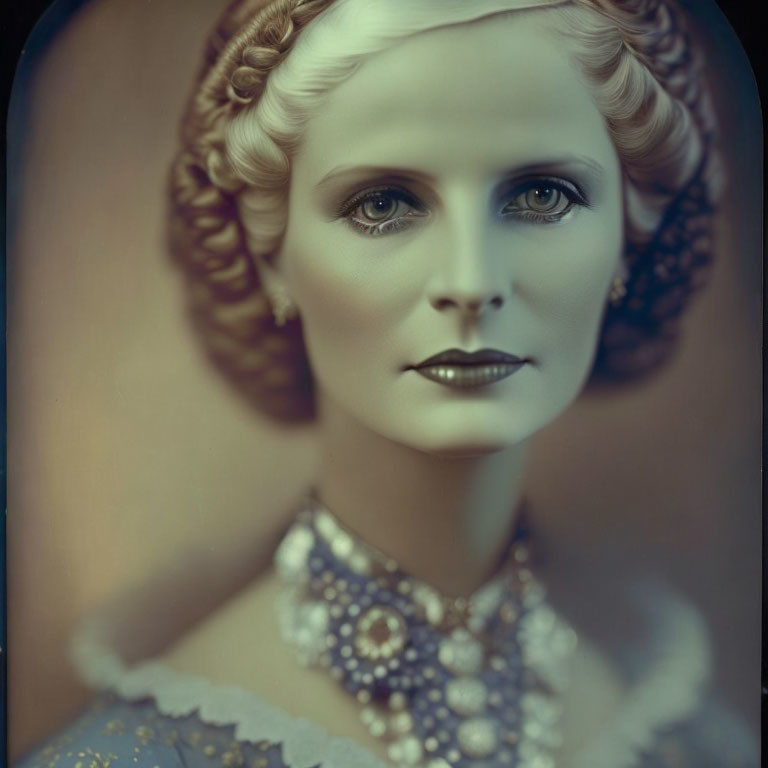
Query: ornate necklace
{"type": "Point", "coordinates": [446, 682]}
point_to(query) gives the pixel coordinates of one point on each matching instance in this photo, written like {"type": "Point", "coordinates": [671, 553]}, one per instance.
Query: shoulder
{"type": "Point", "coordinates": [114, 733]}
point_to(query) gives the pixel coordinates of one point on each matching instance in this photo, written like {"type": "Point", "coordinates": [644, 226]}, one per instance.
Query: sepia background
{"type": "Point", "coordinates": [130, 462]}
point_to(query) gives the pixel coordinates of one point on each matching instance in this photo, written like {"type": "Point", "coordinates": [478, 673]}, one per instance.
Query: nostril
{"type": "Point", "coordinates": [443, 303]}
{"type": "Point", "coordinates": [474, 306]}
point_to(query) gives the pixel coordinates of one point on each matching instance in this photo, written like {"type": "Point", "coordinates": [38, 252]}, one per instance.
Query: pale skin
{"type": "Point", "coordinates": [457, 146]}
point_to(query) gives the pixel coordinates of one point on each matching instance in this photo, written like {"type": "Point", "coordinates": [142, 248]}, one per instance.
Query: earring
{"type": "Point", "coordinates": [618, 291]}
{"type": "Point", "coordinates": [283, 309]}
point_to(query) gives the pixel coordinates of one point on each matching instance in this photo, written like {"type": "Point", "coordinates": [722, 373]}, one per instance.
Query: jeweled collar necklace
{"type": "Point", "coordinates": [447, 682]}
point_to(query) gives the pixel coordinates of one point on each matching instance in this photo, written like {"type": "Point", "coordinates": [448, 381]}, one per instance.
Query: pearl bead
{"type": "Point", "coordinates": [461, 653]}
{"type": "Point", "coordinates": [477, 737]}
{"type": "Point", "coordinates": [466, 696]}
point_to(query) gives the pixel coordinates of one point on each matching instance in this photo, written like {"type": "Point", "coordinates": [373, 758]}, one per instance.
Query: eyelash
{"type": "Point", "coordinates": [349, 207]}
{"type": "Point", "coordinates": [346, 210]}
{"type": "Point", "coordinates": [570, 191]}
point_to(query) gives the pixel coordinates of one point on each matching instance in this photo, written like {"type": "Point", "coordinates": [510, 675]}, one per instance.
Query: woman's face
{"type": "Point", "coordinates": [458, 194]}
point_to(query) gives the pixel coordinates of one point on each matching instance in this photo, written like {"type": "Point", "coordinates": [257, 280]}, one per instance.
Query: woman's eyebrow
{"type": "Point", "coordinates": [348, 174]}
{"type": "Point", "coordinates": [588, 165]}
{"type": "Point", "coordinates": [343, 174]}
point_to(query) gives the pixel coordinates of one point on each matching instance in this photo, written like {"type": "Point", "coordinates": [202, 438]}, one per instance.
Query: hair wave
{"type": "Point", "coordinates": [248, 111]}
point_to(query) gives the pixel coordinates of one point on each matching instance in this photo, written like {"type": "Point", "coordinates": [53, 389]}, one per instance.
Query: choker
{"type": "Point", "coordinates": [446, 682]}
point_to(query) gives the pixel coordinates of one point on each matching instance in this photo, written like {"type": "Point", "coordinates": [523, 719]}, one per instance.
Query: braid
{"type": "Point", "coordinates": [650, 90]}
{"type": "Point", "coordinates": [227, 306]}
{"type": "Point", "coordinates": [667, 264]}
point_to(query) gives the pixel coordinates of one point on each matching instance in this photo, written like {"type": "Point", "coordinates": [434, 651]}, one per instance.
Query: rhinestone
{"type": "Point", "coordinates": [477, 737]}
{"type": "Point", "coordinates": [431, 744]}
{"type": "Point", "coordinates": [342, 545]}
{"type": "Point", "coordinates": [326, 525]}
{"type": "Point", "coordinates": [407, 751]}
{"type": "Point", "coordinates": [291, 556]}
{"type": "Point", "coordinates": [466, 696]}
{"type": "Point", "coordinates": [498, 663]}
{"type": "Point", "coordinates": [435, 695]}
{"type": "Point", "coordinates": [402, 722]}
{"type": "Point", "coordinates": [367, 715]}
{"type": "Point", "coordinates": [438, 763]}
{"type": "Point", "coordinates": [364, 697]}
{"type": "Point", "coordinates": [461, 653]}
{"type": "Point", "coordinates": [454, 755]}
{"type": "Point", "coordinates": [381, 633]}
{"type": "Point", "coordinates": [430, 601]}
{"type": "Point", "coordinates": [359, 563]}
{"type": "Point", "coordinates": [310, 626]}
{"type": "Point", "coordinates": [397, 701]}
{"type": "Point", "coordinates": [378, 728]}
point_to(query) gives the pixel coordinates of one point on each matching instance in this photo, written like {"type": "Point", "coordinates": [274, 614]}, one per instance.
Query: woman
{"type": "Point", "coordinates": [459, 247]}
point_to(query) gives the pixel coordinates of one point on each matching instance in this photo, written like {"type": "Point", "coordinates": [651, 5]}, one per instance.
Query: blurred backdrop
{"type": "Point", "coordinates": [130, 461]}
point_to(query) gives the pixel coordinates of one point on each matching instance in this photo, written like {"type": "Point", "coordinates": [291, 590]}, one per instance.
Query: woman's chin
{"type": "Point", "coordinates": [468, 451]}
{"type": "Point", "coordinates": [465, 446]}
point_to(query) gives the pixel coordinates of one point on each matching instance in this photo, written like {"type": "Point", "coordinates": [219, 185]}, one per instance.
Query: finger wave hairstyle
{"type": "Point", "coordinates": [267, 70]}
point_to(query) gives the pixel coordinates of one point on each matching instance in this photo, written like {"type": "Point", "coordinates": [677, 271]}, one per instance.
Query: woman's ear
{"type": "Point", "coordinates": [618, 289]}
{"type": "Point", "coordinates": [276, 290]}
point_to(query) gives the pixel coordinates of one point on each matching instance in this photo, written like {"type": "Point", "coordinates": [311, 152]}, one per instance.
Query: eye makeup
{"type": "Point", "coordinates": [381, 210]}
{"type": "Point", "coordinates": [540, 199]}
{"type": "Point", "coordinates": [374, 200]}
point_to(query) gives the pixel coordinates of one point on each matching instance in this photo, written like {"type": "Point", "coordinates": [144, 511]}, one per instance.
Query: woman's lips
{"type": "Point", "coordinates": [456, 368]}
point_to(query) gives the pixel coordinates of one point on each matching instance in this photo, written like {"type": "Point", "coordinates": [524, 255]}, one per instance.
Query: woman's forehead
{"type": "Point", "coordinates": [504, 90]}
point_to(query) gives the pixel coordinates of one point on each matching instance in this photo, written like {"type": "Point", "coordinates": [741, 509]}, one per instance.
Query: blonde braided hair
{"type": "Point", "coordinates": [228, 307]}
{"type": "Point", "coordinates": [668, 220]}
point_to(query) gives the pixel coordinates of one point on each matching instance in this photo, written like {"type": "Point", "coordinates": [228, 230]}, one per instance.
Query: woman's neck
{"type": "Point", "coordinates": [445, 520]}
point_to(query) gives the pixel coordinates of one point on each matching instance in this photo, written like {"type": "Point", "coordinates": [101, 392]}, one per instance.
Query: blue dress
{"type": "Point", "coordinates": [114, 733]}
{"type": "Point", "coordinates": [147, 715]}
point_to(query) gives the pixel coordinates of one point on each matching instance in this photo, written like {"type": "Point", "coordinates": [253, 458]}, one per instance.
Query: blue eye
{"type": "Point", "coordinates": [381, 211]}
{"type": "Point", "coordinates": [543, 201]}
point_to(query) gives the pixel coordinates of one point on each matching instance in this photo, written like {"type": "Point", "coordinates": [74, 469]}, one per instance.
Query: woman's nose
{"type": "Point", "coordinates": [470, 273]}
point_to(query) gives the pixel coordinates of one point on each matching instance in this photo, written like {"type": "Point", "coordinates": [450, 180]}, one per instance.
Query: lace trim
{"type": "Point", "coordinates": [669, 692]}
